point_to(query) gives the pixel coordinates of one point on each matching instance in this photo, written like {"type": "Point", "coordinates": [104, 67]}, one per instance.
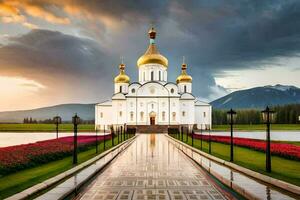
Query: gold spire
{"type": "Point", "coordinates": [184, 77]}
{"type": "Point", "coordinates": [122, 77]}
{"type": "Point", "coordinates": [152, 54]}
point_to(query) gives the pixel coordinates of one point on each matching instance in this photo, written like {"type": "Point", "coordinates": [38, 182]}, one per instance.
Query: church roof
{"type": "Point", "coordinates": [105, 103]}
{"type": "Point", "coordinates": [152, 54]}
{"type": "Point", "coordinates": [201, 103]}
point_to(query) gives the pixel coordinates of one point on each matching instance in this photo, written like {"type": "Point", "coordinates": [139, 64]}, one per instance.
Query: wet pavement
{"type": "Point", "coordinates": [153, 168]}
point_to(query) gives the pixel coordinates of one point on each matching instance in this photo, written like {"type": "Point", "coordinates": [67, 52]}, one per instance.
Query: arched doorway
{"type": "Point", "coordinates": [152, 118]}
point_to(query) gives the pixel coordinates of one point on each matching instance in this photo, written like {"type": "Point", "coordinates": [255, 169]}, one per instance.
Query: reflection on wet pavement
{"type": "Point", "coordinates": [153, 168]}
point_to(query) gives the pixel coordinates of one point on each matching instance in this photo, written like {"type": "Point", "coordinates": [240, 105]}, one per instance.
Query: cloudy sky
{"type": "Point", "coordinates": [54, 51]}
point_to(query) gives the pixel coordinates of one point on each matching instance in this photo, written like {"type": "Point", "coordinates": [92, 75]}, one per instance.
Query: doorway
{"type": "Point", "coordinates": [152, 116]}
{"type": "Point", "coordinates": [152, 120]}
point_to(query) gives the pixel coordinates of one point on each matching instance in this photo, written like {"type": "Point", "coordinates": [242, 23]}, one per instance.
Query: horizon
{"type": "Point", "coordinates": [54, 53]}
{"type": "Point", "coordinates": [76, 103]}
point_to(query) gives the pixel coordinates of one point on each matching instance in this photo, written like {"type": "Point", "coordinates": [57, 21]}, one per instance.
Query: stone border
{"type": "Point", "coordinates": [56, 179]}
{"type": "Point", "coordinates": [267, 179]}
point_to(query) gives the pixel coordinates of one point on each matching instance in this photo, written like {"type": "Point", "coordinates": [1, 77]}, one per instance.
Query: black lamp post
{"type": "Point", "coordinates": [57, 121]}
{"type": "Point", "coordinates": [75, 121]}
{"type": "Point", "coordinates": [201, 136]}
{"type": "Point", "coordinates": [209, 139]}
{"type": "Point", "coordinates": [96, 139]}
{"type": "Point", "coordinates": [104, 137]}
{"type": "Point", "coordinates": [268, 117]}
{"type": "Point", "coordinates": [112, 135]}
{"type": "Point", "coordinates": [231, 117]}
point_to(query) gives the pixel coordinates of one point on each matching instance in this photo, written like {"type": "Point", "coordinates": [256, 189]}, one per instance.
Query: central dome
{"type": "Point", "coordinates": [152, 55]}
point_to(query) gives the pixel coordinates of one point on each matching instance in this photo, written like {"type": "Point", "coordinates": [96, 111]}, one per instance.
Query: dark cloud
{"type": "Point", "coordinates": [213, 35]}
{"type": "Point", "coordinates": [69, 67]}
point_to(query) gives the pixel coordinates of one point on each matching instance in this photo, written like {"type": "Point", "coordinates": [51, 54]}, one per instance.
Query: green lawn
{"type": "Point", "coordinates": [91, 127]}
{"type": "Point", "coordinates": [17, 182]}
{"type": "Point", "coordinates": [283, 169]}
{"type": "Point", "coordinates": [257, 127]}
{"type": "Point", "coordinates": [44, 127]}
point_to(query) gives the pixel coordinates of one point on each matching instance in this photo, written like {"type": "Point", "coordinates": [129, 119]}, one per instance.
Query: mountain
{"type": "Point", "coordinates": [66, 111]}
{"type": "Point", "coordinates": [259, 97]}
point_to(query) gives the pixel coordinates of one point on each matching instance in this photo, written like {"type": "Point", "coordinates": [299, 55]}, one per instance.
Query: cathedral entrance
{"type": "Point", "coordinates": [152, 118]}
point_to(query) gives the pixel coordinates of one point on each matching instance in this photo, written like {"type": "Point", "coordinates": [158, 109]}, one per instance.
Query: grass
{"type": "Point", "coordinates": [257, 127]}
{"type": "Point", "coordinates": [17, 182]}
{"type": "Point", "coordinates": [283, 169]}
{"type": "Point", "coordinates": [91, 127]}
{"type": "Point", "coordinates": [44, 127]}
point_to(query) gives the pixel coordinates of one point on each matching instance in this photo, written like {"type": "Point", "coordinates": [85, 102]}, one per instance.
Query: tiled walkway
{"type": "Point", "coordinates": [152, 168]}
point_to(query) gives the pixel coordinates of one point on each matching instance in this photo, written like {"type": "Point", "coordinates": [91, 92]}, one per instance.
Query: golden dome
{"type": "Point", "coordinates": [184, 77]}
{"type": "Point", "coordinates": [152, 54]}
{"type": "Point", "coordinates": [122, 77]}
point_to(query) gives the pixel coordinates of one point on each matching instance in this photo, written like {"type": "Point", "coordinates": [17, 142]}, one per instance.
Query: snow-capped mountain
{"type": "Point", "coordinates": [259, 97]}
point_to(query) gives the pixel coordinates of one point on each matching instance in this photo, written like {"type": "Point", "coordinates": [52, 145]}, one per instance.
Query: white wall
{"type": "Point", "coordinates": [188, 87]}
{"type": "Point", "coordinates": [188, 107]}
{"type": "Point", "coordinates": [106, 118]}
{"type": "Point", "coordinates": [145, 73]}
{"type": "Point", "coordinates": [201, 118]}
{"type": "Point", "coordinates": [124, 87]}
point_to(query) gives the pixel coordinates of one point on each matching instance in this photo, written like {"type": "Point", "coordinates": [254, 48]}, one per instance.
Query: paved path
{"type": "Point", "coordinates": [152, 168]}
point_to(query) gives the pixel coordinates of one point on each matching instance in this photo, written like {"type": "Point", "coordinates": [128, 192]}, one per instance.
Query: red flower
{"type": "Point", "coordinates": [280, 149]}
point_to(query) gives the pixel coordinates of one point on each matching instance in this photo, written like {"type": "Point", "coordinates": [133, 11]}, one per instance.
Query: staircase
{"type": "Point", "coordinates": [152, 128]}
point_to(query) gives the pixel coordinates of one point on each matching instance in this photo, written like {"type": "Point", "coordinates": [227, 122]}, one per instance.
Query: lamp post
{"type": "Point", "coordinates": [57, 121]}
{"type": "Point", "coordinates": [104, 137]}
{"type": "Point", "coordinates": [209, 139]}
{"type": "Point", "coordinates": [268, 118]}
{"type": "Point", "coordinates": [182, 133]}
{"type": "Point", "coordinates": [121, 133]}
{"type": "Point", "coordinates": [75, 121]}
{"type": "Point", "coordinates": [96, 139]}
{"type": "Point", "coordinates": [201, 136]}
{"type": "Point", "coordinates": [231, 117]}
{"type": "Point", "coordinates": [112, 135]}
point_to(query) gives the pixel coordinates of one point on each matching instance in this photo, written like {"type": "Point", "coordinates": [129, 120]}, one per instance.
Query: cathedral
{"type": "Point", "coordinates": [152, 101]}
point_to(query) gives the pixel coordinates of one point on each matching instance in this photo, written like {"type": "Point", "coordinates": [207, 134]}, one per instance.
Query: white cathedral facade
{"type": "Point", "coordinates": [153, 100]}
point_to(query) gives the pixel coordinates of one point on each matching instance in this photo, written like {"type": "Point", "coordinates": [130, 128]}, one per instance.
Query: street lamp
{"type": "Point", "coordinates": [96, 140]}
{"type": "Point", "coordinates": [75, 121]}
{"type": "Point", "coordinates": [231, 118]}
{"type": "Point", "coordinates": [209, 139]}
{"type": "Point", "coordinates": [57, 121]}
{"type": "Point", "coordinates": [268, 117]}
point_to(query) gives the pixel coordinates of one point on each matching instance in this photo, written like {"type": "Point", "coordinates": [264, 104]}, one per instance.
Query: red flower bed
{"type": "Point", "coordinates": [280, 149]}
{"type": "Point", "coordinates": [18, 157]}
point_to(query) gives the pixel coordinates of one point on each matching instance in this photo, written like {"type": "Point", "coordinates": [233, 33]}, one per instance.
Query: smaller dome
{"type": "Point", "coordinates": [122, 77]}
{"type": "Point", "coordinates": [184, 77]}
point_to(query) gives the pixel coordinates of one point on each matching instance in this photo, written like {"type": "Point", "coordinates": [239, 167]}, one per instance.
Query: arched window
{"type": "Point", "coordinates": [152, 75]}
{"type": "Point", "coordinates": [185, 89]}
{"type": "Point", "coordinates": [172, 90]}
{"type": "Point", "coordinates": [132, 90]}
{"type": "Point", "coordinates": [174, 116]}
{"type": "Point", "coordinates": [142, 116]}
{"type": "Point", "coordinates": [183, 113]}
{"type": "Point", "coordinates": [120, 113]}
{"type": "Point", "coordinates": [163, 115]}
{"type": "Point", "coordinates": [152, 106]}
{"type": "Point", "coordinates": [204, 114]}
{"type": "Point", "coordinates": [101, 114]}
{"type": "Point", "coordinates": [159, 75]}
{"type": "Point", "coordinates": [120, 89]}
{"type": "Point", "coordinates": [131, 116]}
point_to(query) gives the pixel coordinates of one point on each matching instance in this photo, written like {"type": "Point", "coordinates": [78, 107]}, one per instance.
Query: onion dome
{"type": "Point", "coordinates": [184, 77]}
{"type": "Point", "coordinates": [152, 54]}
{"type": "Point", "coordinates": [122, 77]}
